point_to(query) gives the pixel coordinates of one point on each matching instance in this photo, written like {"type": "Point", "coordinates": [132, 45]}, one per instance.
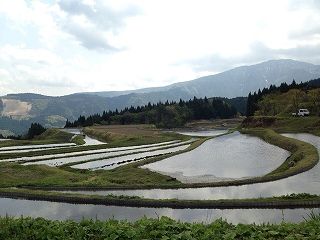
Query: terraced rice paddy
{"type": "Point", "coordinates": [259, 153]}
{"type": "Point", "coordinates": [63, 211]}
{"type": "Point", "coordinates": [232, 156]}
{"type": "Point", "coordinates": [34, 147]}
{"type": "Point", "coordinates": [114, 162]}
{"type": "Point", "coordinates": [307, 182]}
{"type": "Point", "coordinates": [105, 158]}
{"type": "Point", "coordinates": [94, 155]}
{"type": "Point", "coordinates": [203, 133]}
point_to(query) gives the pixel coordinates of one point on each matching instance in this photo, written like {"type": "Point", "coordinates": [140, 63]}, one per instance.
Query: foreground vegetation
{"type": "Point", "coordinates": [162, 228]}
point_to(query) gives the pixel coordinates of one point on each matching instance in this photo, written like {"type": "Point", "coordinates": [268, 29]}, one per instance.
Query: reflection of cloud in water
{"type": "Point", "coordinates": [205, 133]}
{"type": "Point", "coordinates": [231, 156]}
{"type": "Point", "coordinates": [62, 211]}
{"type": "Point", "coordinates": [307, 182]}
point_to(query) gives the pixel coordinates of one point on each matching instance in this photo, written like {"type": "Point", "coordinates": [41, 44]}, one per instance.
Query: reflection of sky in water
{"type": "Point", "coordinates": [230, 156]}
{"type": "Point", "coordinates": [62, 211]}
{"type": "Point", "coordinates": [88, 152]}
{"type": "Point", "coordinates": [105, 153]}
{"type": "Point", "coordinates": [101, 164]}
{"type": "Point", "coordinates": [206, 133]}
{"type": "Point", "coordinates": [307, 182]}
{"type": "Point", "coordinates": [40, 146]}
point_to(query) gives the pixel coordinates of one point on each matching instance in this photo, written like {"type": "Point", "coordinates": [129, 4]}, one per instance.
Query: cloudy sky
{"type": "Point", "coordinates": [61, 47]}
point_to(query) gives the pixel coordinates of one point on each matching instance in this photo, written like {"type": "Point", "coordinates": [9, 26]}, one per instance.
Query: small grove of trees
{"type": "Point", "coordinates": [267, 102]}
{"type": "Point", "coordinates": [34, 130]}
{"type": "Point", "coordinates": [164, 115]}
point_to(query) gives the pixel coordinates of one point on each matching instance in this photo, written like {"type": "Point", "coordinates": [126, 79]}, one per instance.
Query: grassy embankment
{"type": "Point", "coordinates": [131, 176]}
{"type": "Point", "coordinates": [14, 174]}
{"type": "Point", "coordinates": [116, 136]}
{"type": "Point", "coordinates": [50, 136]}
{"type": "Point", "coordinates": [285, 124]}
{"type": "Point", "coordinates": [288, 201]}
{"type": "Point", "coordinates": [130, 135]}
{"type": "Point", "coordinates": [162, 228]}
{"type": "Point", "coordinates": [304, 156]}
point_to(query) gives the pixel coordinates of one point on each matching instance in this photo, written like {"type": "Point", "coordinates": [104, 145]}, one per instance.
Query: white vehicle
{"type": "Point", "coordinates": [302, 112]}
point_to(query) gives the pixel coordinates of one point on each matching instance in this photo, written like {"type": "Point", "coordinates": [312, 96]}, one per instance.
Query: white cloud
{"type": "Point", "coordinates": [93, 45]}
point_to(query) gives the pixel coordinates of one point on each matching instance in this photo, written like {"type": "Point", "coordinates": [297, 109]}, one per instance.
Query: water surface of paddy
{"type": "Point", "coordinates": [66, 211]}
{"type": "Point", "coordinates": [231, 156]}
{"type": "Point", "coordinates": [307, 182]}
{"type": "Point", "coordinates": [203, 133]}
{"type": "Point", "coordinates": [111, 163]}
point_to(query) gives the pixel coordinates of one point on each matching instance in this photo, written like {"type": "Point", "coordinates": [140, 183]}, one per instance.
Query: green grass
{"type": "Point", "coordinates": [288, 201]}
{"type": "Point", "coordinates": [162, 228]}
{"type": "Point", "coordinates": [304, 156]}
{"type": "Point", "coordinates": [14, 174]}
{"type": "Point", "coordinates": [130, 176]}
{"type": "Point", "coordinates": [131, 135]}
{"type": "Point", "coordinates": [285, 124]}
{"type": "Point", "coordinates": [79, 140]}
{"type": "Point", "coordinates": [50, 136]}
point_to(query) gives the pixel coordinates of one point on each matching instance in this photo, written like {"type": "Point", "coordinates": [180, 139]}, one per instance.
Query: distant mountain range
{"type": "Point", "coordinates": [238, 82]}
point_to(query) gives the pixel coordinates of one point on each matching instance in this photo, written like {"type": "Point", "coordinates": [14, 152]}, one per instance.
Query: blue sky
{"type": "Point", "coordinates": [62, 47]}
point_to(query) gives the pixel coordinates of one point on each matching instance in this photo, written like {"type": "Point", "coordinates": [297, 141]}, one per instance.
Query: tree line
{"type": "Point", "coordinates": [35, 129]}
{"type": "Point", "coordinates": [163, 115]}
{"type": "Point", "coordinates": [254, 98]}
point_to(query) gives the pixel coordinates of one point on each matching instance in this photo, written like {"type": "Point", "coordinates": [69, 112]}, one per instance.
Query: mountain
{"type": "Point", "coordinates": [17, 109]}
{"type": "Point", "coordinates": [235, 82]}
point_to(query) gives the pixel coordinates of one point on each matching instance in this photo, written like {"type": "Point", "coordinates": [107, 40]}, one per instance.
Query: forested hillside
{"type": "Point", "coordinates": [167, 115]}
{"type": "Point", "coordinates": [285, 99]}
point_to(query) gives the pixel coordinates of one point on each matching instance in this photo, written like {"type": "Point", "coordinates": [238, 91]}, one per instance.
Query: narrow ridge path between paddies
{"type": "Point", "coordinates": [35, 147]}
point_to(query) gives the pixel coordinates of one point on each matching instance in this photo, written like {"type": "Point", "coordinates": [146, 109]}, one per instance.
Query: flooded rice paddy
{"type": "Point", "coordinates": [62, 159]}
{"type": "Point", "coordinates": [255, 161]}
{"type": "Point", "coordinates": [307, 182]}
{"type": "Point", "coordinates": [203, 133]}
{"type": "Point", "coordinates": [111, 163]}
{"type": "Point", "coordinates": [91, 154]}
{"type": "Point", "coordinates": [63, 211]}
{"type": "Point", "coordinates": [231, 156]}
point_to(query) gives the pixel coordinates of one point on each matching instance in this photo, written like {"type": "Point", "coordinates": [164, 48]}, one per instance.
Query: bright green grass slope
{"type": "Point", "coordinates": [163, 228]}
